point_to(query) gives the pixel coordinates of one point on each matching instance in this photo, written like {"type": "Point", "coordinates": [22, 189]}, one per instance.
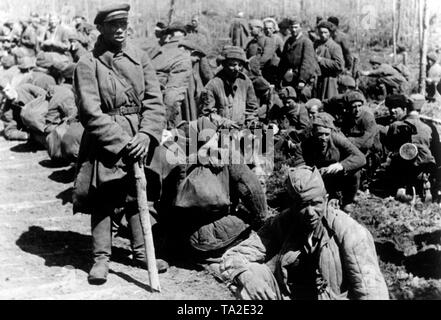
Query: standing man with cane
{"type": "Point", "coordinates": [120, 106]}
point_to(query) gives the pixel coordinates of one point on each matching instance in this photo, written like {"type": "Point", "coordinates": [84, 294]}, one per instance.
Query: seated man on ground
{"type": "Point", "coordinates": [207, 204]}
{"type": "Point", "coordinates": [310, 251]}
{"type": "Point", "coordinates": [338, 160]}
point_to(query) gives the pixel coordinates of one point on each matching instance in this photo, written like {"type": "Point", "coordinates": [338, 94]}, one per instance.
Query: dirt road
{"type": "Point", "coordinates": [45, 249]}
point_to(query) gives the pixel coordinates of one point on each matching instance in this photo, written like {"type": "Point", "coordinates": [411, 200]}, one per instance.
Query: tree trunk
{"type": "Point", "coordinates": [394, 35]}
{"type": "Point", "coordinates": [423, 46]}
{"type": "Point", "coordinates": [171, 12]}
{"type": "Point", "coordinates": [398, 31]}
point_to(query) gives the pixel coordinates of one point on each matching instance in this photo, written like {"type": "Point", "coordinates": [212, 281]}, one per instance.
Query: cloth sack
{"type": "Point", "coordinates": [205, 188]}
{"type": "Point", "coordinates": [34, 114]}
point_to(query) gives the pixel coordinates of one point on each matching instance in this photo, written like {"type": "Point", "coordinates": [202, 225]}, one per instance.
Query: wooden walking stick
{"type": "Point", "coordinates": [141, 192]}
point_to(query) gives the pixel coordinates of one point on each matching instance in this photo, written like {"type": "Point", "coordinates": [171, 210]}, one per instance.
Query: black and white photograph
{"type": "Point", "coordinates": [194, 151]}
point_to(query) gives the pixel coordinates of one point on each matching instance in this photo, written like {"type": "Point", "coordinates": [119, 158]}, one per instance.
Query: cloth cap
{"type": "Point", "coordinates": [418, 101]}
{"type": "Point", "coordinates": [287, 92]}
{"type": "Point", "coordinates": [432, 56]}
{"type": "Point", "coordinates": [397, 101]}
{"type": "Point", "coordinates": [354, 96]}
{"type": "Point", "coordinates": [305, 183]}
{"type": "Point", "coordinates": [347, 81]}
{"type": "Point", "coordinates": [273, 21]}
{"type": "Point", "coordinates": [326, 24]}
{"type": "Point", "coordinates": [256, 23]}
{"type": "Point", "coordinates": [323, 119]}
{"type": "Point", "coordinates": [233, 52]}
{"type": "Point", "coordinates": [112, 12]}
{"type": "Point", "coordinates": [176, 26]}
{"type": "Point", "coordinates": [313, 102]}
{"type": "Point", "coordinates": [192, 45]}
{"type": "Point", "coordinates": [375, 60]}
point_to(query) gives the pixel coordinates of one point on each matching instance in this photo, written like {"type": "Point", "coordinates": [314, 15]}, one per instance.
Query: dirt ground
{"type": "Point", "coordinates": [45, 249]}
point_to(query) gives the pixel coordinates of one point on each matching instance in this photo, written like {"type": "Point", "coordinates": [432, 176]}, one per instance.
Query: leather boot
{"type": "Point", "coordinates": [102, 246]}
{"type": "Point", "coordinates": [100, 270]}
{"type": "Point", "coordinates": [139, 255]}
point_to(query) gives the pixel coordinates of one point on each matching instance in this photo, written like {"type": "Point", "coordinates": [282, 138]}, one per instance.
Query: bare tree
{"type": "Point", "coordinates": [171, 11]}
{"type": "Point", "coordinates": [394, 35]}
{"type": "Point", "coordinates": [424, 25]}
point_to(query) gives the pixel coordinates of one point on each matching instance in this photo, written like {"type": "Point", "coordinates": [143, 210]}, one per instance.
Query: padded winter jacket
{"type": "Point", "coordinates": [347, 261]}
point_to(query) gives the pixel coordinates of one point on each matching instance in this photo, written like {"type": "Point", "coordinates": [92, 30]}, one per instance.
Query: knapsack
{"type": "Point", "coordinates": [204, 188]}
{"type": "Point", "coordinates": [403, 70]}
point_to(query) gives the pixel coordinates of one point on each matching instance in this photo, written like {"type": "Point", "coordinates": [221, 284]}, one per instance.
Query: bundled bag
{"type": "Point", "coordinates": [205, 188]}
{"type": "Point", "coordinates": [34, 114]}
{"type": "Point", "coordinates": [53, 141]}
{"type": "Point", "coordinates": [403, 70]}
{"type": "Point", "coordinates": [71, 140]}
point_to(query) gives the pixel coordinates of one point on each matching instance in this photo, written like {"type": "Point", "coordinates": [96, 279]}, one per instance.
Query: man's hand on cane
{"type": "Point", "coordinates": [138, 147]}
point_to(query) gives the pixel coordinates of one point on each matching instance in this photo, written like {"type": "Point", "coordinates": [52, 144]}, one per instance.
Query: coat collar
{"type": "Point", "coordinates": [221, 74]}
{"type": "Point", "coordinates": [101, 51]}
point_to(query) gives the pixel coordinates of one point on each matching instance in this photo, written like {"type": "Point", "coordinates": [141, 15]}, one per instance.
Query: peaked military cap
{"type": "Point", "coordinates": [112, 12]}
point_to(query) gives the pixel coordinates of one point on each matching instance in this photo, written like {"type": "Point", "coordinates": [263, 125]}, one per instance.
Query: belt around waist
{"type": "Point", "coordinates": [122, 111]}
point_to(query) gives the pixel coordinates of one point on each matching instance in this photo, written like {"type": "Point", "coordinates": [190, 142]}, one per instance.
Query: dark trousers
{"type": "Point", "coordinates": [101, 222]}
{"type": "Point", "coordinates": [116, 196]}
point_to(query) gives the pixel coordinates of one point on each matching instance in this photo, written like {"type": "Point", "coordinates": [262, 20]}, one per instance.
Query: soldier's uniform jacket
{"type": "Point", "coordinates": [107, 86]}
{"type": "Point", "coordinates": [235, 101]}
{"type": "Point", "coordinates": [331, 67]}
{"type": "Point", "coordinates": [173, 68]}
{"type": "Point", "coordinates": [264, 47]}
{"type": "Point", "coordinates": [342, 40]}
{"type": "Point", "coordinates": [422, 139]}
{"type": "Point", "coordinates": [434, 72]}
{"type": "Point", "coordinates": [345, 264]}
{"type": "Point", "coordinates": [61, 106]}
{"type": "Point", "coordinates": [299, 55]}
{"type": "Point", "coordinates": [390, 76]}
{"type": "Point", "coordinates": [362, 130]}
{"type": "Point", "coordinates": [31, 38]}
{"type": "Point", "coordinates": [339, 149]}
{"type": "Point", "coordinates": [239, 32]}
{"type": "Point", "coordinates": [11, 115]}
